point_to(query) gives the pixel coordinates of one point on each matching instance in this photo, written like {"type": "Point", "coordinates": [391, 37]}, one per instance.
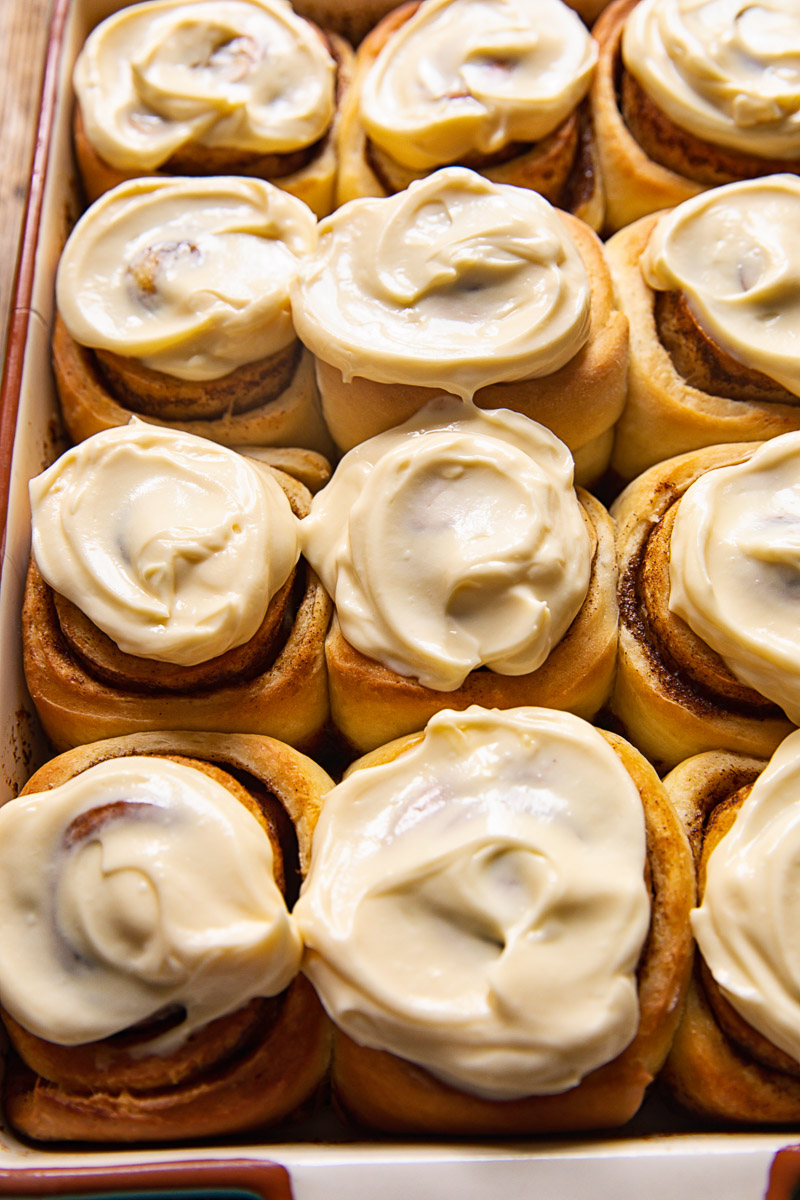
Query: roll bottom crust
{"type": "Point", "coordinates": [314, 182]}
{"type": "Point", "coordinates": [568, 175]}
{"type": "Point", "coordinates": [371, 704]}
{"type": "Point", "coordinates": [707, 1071]}
{"type": "Point", "coordinates": [291, 418]}
{"type": "Point", "coordinates": [385, 1092]}
{"type": "Point", "coordinates": [664, 415]}
{"type": "Point", "coordinates": [220, 1090]}
{"type": "Point", "coordinates": [666, 712]}
{"type": "Point", "coordinates": [580, 402]}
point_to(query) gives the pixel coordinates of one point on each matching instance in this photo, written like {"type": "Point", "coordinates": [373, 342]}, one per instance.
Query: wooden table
{"type": "Point", "coordinates": [24, 27]}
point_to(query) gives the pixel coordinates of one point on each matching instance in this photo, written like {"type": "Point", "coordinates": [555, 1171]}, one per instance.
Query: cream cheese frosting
{"type": "Point", "coordinates": [171, 544]}
{"type": "Point", "coordinates": [455, 283]}
{"type": "Point", "coordinates": [191, 276]}
{"type": "Point", "coordinates": [724, 70]}
{"type": "Point", "coordinates": [168, 897]}
{"type": "Point", "coordinates": [747, 922]}
{"type": "Point", "coordinates": [478, 906]}
{"type": "Point", "coordinates": [735, 568]}
{"type": "Point", "coordinates": [246, 75]}
{"type": "Point", "coordinates": [453, 541]}
{"type": "Point", "coordinates": [474, 75]}
{"type": "Point", "coordinates": [733, 253]}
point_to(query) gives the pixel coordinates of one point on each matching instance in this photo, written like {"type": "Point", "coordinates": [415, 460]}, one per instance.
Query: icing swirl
{"type": "Point", "coordinates": [453, 541]}
{"type": "Point", "coordinates": [735, 568]}
{"type": "Point", "coordinates": [477, 905]}
{"type": "Point", "coordinates": [247, 75]}
{"type": "Point", "coordinates": [745, 926]}
{"type": "Point", "coordinates": [172, 545]}
{"type": "Point", "coordinates": [733, 253]}
{"type": "Point", "coordinates": [170, 899]}
{"type": "Point", "coordinates": [467, 75]}
{"type": "Point", "coordinates": [725, 70]}
{"type": "Point", "coordinates": [191, 276]}
{"type": "Point", "coordinates": [454, 284]}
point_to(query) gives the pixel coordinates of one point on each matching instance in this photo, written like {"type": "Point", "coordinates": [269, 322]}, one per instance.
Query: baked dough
{"type": "Point", "coordinates": [244, 1071]}
{"type": "Point", "coordinates": [673, 694]}
{"type": "Point", "coordinates": [383, 1091]}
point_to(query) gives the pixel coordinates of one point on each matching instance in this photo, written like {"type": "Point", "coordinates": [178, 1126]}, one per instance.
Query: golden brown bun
{"type": "Point", "coordinates": [562, 167]}
{"type": "Point", "coordinates": [253, 411]}
{"type": "Point", "coordinates": [371, 704]}
{"type": "Point", "coordinates": [673, 694]}
{"type": "Point", "coordinates": [243, 1071]}
{"type": "Point", "coordinates": [310, 175]}
{"type": "Point", "coordinates": [664, 413]}
{"type": "Point", "coordinates": [580, 402]}
{"type": "Point", "coordinates": [646, 160]}
{"type": "Point", "coordinates": [84, 688]}
{"type": "Point", "coordinates": [720, 1068]}
{"type": "Point", "coordinates": [385, 1092]}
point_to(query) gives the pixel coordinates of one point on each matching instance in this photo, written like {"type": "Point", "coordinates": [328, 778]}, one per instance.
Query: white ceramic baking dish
{"type": "Point", "coordinates": [321, 1159]}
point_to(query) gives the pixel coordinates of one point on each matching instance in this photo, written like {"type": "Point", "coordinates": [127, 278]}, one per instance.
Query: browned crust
{"type": "Point", "coordinates": [666, 414]}
{"type": "Point", "coordinates": [309, 174]}
{"type": "Point", "coordinates": [291, 417]}
{"type": "Point", "coordinates": [244, 1071]}
{"type": "Point", "coordinates": [719, 1067]}
{"type": "Point", "coordinates": [562, 167]}
{"type": "Point", "coordinates": [371, 704]}
{"type": "Point", "coordinates": [283, 694]}
{"type": "Point", "coordinates": [580, 402]}
{"type": "Point", "coordinates": [385, 1092]}
{"type": "Point", "coordinates": [668, 713]}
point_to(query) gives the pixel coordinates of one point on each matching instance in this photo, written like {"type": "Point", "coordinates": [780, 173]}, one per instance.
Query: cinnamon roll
{"type": "Point", "coordinates": [165, 592]}
{"type": "Point", "coordinates": [462, 285]}
{"type": "Point", "coordinates": [496, 921]}
{"type": "Point", "coordinates": [736, 1055]}
{"type": "Point", "coordinates": [211, 87]}
{"type": "Point", "coordinates": [496, 85]}
{"type": "Point", "coordinates": [173, 302]}
{"type": "Point", "coordinates": [687, 96]}
{"type": "Point", "coordinates": [464, 569]}
{"type": "Point", "coordinates": [709, 655]}
{"type": "Point", "coordinates": [149, 964]}
{"type": "Point", "coordinates": [714, 316]}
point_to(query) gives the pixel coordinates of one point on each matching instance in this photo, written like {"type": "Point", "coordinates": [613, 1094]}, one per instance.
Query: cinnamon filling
{"type": "Point", "coordinates": [688, 669]}
{"type": "Point", "coordinates": [560, 167]}
{"type": "Point", "coordinates": [155, 394]}
{"type": "Point", "coordinates": [741, 1033]}
{"type": "Point", "coordinates": [703, 363]}
{"type": "Point", "coordinates": [667, 144]}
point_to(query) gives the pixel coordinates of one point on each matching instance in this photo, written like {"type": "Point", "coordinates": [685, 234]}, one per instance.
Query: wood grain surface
{"type": "Point", "coordinates": [24, 27]}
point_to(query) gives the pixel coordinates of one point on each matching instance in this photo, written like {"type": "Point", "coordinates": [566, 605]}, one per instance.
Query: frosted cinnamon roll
{"type": "Point", "coordinates": [495, 85]}
{"type": "Point", "coordinates": [736, 1055]}
{"type": "Point", "coordinates": [149, 968]}
{"type": "Point", "coordinates": [476, 923]}
{"type": "Point", "coordinates": [464, 569]}
{"type": "Point", "coordinates": [688, 95]}
{"type": "Point", "coordinates": [211, 87]}
{"type": "Point", "coordinates": [708, 290]}
{"type": "Point", "coordinates": [708, 649]}
{"type": "Point", "coordinates": [466, 286]}
{"type": "Point", "coordinates": [173, 302]}
{"type": "Point", "coordinates": [165, 592]}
